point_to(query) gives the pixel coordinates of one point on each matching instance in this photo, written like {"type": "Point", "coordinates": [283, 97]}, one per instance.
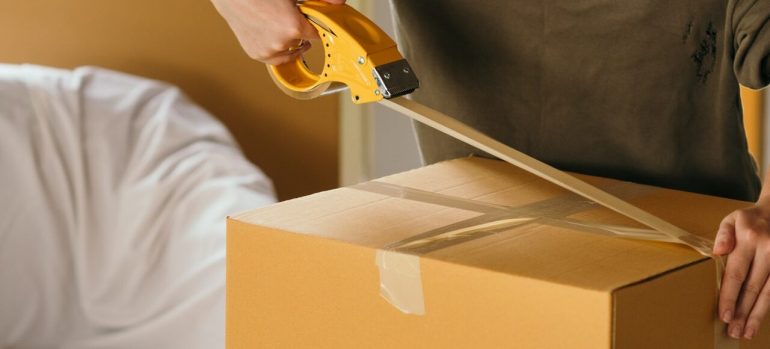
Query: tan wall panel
{"type": "Point", "coordinates": [188, 44]}
{"type": "Point", "coordinates": [753, 116]}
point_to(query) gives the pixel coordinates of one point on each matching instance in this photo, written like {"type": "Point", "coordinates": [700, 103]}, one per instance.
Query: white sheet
{"type": "Point", "coordinates": [113, 194]}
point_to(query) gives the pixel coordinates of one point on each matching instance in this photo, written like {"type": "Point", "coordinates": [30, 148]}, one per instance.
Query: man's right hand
{"type": "Point", "coordinates": [270, 31]}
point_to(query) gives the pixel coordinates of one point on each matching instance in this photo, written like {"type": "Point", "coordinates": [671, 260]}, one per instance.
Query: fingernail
{"type": "Point", "coordinates": [727, 316]}
{"type": "Point", "coordinates": [750, 332]}
{"type": "Point", "coordinates": [722, 242]}
{"type": "Point", "coordinates": [735, 331]}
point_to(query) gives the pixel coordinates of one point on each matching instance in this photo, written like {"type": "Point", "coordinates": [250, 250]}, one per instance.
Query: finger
{"type": "Point", "coordinates": [286, 57]}
{"type": "Point", "coordinates": [724, 243]}
{"type": "Point", "coordinates": [748, 296]}
{"type": "Point", "coordinates": [335, 2]}
{"type": "Point", "coordinates": [758, 313]}
{"type": "Point", "coordinates": [738, 263]}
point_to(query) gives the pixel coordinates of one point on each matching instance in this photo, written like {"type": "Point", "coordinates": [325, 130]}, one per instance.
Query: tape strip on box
{"type": "Point", "coordinates": [399, 262]}
{"type": "Point", "coordinates": [401, 281]}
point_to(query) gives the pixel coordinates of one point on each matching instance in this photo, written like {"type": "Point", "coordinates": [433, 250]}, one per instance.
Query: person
{"type": "Point", "coordinates": [644, 91]}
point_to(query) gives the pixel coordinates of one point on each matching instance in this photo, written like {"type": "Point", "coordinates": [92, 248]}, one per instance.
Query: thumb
{"type": "Point", "coordinates": [724, 243]}
{"type": "Point", "coordinates": [335, 2]}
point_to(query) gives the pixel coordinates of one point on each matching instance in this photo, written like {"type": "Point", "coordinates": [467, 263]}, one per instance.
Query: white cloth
{"type": "Point", "coordinates": [113, 196]}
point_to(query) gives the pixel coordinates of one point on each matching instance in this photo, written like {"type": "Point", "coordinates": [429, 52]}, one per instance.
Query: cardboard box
{"type": "Point", "coordinates": [482, 255]}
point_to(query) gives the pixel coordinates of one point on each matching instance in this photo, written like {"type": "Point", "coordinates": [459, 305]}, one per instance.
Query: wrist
{"type": "Point", "coordinates": [763, 203]}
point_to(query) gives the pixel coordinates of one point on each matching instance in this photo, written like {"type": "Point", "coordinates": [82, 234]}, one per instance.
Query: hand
{"type": "Point", "coordinates": [744, 300]}
{"type": "Point", "coordinates": [270, 31]}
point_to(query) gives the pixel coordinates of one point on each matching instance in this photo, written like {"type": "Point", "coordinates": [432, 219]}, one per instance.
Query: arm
{"type": "Point", "coordinates": [751, 42]}
{"type": "Point", "coordinates": [744, 235]}
{"type": "Point", "coordinates": [270, 31]}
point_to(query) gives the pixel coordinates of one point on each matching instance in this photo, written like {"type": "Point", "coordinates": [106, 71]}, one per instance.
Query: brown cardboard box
{"type": "Point", "coordinates": [307, 273]}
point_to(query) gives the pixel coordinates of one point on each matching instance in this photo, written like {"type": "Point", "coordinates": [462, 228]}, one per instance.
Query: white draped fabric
{"type": "Point", "coordinates": [113, 195]}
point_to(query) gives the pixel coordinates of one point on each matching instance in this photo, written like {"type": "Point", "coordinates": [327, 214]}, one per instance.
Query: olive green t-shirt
{"type": "Point", "coordinates": [645, 91]}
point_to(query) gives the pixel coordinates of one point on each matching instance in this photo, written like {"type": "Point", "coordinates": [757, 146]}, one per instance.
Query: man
{"type": "Point", "coordinates": [645, 91]}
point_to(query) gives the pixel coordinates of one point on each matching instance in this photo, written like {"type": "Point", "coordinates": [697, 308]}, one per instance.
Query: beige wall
{"type": "Point", "coordinates": [375, 141]}
{"type": "Point", "coordinates": [754, 112]}
{"type": "Point", "coordinates": [186, 43]}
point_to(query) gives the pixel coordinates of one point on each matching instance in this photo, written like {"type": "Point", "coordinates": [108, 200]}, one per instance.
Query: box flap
{"type": "Point", "coordinates": [586, 260]}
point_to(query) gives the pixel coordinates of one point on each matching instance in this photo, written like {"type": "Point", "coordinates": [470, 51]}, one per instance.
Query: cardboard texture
{"type": "Point", "coordinates": [302, 273]}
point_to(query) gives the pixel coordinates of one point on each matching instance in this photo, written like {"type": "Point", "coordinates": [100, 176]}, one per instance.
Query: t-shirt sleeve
{"type": "Point", "coordinates": [751, 33]}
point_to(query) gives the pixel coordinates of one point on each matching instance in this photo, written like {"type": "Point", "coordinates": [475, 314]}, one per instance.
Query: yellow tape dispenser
{"type": "Point", "coordinates": [357, 55]}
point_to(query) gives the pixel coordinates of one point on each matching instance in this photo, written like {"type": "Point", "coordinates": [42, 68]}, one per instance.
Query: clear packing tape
{"type": "Point", "coordinates": [399, 262]}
